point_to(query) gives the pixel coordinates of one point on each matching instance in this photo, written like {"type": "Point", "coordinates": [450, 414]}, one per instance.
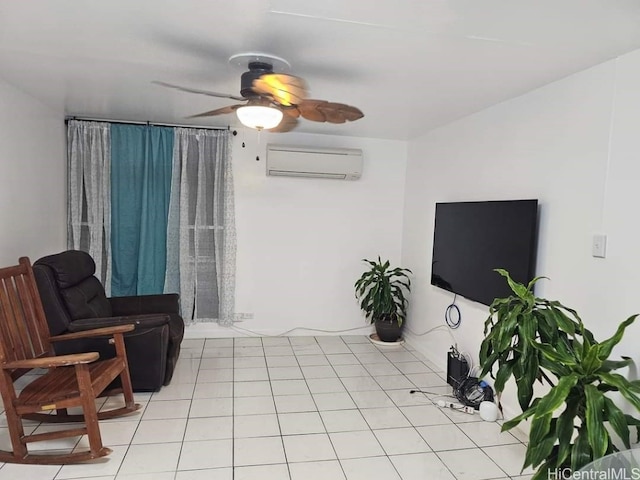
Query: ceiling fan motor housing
{"type": "Point", "coordinates": [273, 94]}
{"type": "Point", "coordinates": [256, 69]}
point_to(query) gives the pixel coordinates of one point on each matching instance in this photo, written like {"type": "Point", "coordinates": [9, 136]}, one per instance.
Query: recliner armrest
{"type": "Point", "coordinates": [145, 304]}
{"type": "Point", "coordinates": [139, 321]}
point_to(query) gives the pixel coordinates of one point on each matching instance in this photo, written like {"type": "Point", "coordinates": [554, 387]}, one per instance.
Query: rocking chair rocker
{"type": "Point", "coordinates": [69, 381]}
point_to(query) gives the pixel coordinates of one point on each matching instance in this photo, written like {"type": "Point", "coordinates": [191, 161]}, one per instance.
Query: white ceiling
{"type": "Point", "coordinates": [410, 65]}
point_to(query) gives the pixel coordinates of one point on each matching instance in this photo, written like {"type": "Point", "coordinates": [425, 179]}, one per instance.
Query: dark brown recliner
{"type": "Point", "coordinates": [74, 300]}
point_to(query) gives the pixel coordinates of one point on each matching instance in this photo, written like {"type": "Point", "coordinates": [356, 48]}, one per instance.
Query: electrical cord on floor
{"type": "Point", "coordinates": [437, 395]}
{"type": "Point", "coordinates": [473, 391]}
{"type": "Point", "coordinates": [424, 392]}
{"type": "Point", "coordinates": [258, 334]}
{"type": "Point", "coordinates": [470, 393]}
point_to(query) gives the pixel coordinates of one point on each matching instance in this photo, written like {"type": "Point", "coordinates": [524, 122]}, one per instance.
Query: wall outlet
{"type": "Point", "coordinates": [599, 246]}
{"type": "Point", "coordinates": [241, 317]}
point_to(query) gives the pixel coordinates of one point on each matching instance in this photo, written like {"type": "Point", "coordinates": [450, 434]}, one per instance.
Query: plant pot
{"type": "Point", "coordinates": [388, 330]}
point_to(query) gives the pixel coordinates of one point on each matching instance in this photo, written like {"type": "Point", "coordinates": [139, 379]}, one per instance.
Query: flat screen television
{"type": "Point", "coordinates": [471, 239]}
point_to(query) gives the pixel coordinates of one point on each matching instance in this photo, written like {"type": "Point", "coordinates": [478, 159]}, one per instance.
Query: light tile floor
{"type": "Point", "coordinates": [293, 408]}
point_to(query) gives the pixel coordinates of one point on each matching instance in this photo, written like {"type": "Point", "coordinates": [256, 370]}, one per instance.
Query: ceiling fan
{"type": "Point", "coordinates": [273, 101]}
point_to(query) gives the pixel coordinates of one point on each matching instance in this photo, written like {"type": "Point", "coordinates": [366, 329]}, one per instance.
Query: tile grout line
{"type": "Point", "coordinates": [318, 409]}
{"type": "Point", "coordinates": [338, 459]}
{"type": "Point", "coordinates": [275, 407]}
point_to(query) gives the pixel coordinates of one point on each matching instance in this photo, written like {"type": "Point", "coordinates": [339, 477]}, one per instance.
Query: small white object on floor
{"type": "Point", "coordinates": [488, 411]}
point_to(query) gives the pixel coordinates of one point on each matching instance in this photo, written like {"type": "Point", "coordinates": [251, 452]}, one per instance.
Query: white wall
{"type": "Point", "coordinates": [300, 240]}
{"type": "Point", "coordinates": [32, 177]}
{"type": "Point", "coordinates": [574, 145]}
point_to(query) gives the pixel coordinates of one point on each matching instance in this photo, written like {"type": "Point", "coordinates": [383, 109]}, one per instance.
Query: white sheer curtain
{"type": "Point", "coordinates": [89, 193]}
{"type": "Point", "coordinates": [201, 234]}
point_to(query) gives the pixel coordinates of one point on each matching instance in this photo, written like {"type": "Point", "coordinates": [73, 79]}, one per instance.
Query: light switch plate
{"type": "Point", "coordinates": [599, 246]}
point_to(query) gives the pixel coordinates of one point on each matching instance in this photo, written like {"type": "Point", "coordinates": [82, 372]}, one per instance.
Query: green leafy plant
{"type": "Point", "coordinates": [513, 323]}
{"type": "Point", "coordinates": [382, 291]}
{"type": "Point", "coordinates": [533, 339]}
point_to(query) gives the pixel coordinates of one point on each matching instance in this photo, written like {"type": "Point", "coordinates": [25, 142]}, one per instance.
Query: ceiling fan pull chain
{"type": "Point", "coordinates": [258, 156]}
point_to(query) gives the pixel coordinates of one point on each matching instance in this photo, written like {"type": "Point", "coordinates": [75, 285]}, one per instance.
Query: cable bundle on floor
{"type": "Point", "coordinates": [472, 392]}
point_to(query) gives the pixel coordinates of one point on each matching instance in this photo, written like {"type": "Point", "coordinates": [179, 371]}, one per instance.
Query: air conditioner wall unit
{"type": "Point", "coordinates": [316, 162]}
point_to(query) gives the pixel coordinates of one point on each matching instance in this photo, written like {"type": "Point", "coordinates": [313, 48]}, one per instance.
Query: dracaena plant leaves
{"type": "Point", "coordinates": [383, 290]}
{"type": "Point", "coordinates": [531, 340]}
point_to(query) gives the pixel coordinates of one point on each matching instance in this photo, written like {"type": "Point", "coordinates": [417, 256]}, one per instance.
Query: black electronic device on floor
{"type": "Point", "coordinates": [457, 368]}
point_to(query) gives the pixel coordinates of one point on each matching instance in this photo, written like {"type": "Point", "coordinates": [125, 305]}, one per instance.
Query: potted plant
{"type": "Point", "coordinates": [533, 339]}
{"type": "Point", "coordinates": [382, 292]}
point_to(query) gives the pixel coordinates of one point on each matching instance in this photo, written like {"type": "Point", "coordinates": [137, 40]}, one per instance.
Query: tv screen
{"type": "Point", "coordinates": [471, 239]}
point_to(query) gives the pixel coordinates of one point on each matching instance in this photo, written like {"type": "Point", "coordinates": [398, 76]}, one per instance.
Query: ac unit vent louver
{"type": "Point", "coordinates": [315, 162]}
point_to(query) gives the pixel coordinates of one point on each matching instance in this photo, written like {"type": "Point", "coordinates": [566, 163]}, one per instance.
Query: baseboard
{"type": "Point", "coordinates": [213, 330]}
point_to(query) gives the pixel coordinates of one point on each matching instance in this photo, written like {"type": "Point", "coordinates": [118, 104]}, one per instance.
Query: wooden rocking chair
{"type": "Point", "coordinates": [70, 381]}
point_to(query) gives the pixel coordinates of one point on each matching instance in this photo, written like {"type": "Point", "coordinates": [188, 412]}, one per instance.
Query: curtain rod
{"type": "Point", "coordinates": [133, 122]}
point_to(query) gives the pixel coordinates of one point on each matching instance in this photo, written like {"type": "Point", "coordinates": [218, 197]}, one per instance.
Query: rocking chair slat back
{"type": "Point", "coordinates": [24, 333]}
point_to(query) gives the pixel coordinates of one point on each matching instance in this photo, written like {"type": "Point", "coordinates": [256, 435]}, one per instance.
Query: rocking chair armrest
{"type": "Point", "coordinates": [140, 322]}
{"type": "Point", "coordinates": [51, 362]}
{"type": "Point", "coordinates": [96, 332]}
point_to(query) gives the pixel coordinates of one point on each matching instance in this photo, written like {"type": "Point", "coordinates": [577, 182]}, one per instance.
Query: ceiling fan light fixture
{"type": "Point", "coordinates": [259, 116]}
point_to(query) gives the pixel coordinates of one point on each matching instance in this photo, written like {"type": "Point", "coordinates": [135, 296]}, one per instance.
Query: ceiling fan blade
{"type": "Point", "coordinates": [218, 111]}
{"type": "Point", "coordinates": [195, 90]}
{"type": "Point", "coordinates": [323, 111]}
{"type": "Point", "coordinates": [308, 109]}
{"type": "Point", "coordinates": [287, 90]}
{"type": "Point", "coordinates": [290, 111]}
{"type": "Point", "coordinates": [287, 124]}
{"type": "Point", "coordinates": [331, 113]}
{"type": "Point", "coordinates": [348, 112]}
